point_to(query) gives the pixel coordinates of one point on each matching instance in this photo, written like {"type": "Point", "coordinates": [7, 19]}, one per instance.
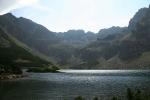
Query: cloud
{"type": "Point", "coordinates": [9, 5]}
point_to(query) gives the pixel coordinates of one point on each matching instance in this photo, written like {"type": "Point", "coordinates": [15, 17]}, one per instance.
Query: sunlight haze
{"type": "Point", "coordinates": [62, 15]}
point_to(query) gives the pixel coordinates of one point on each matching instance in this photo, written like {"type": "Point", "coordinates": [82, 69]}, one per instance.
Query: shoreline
{"type": "Point", "coordinates": [10, 76]}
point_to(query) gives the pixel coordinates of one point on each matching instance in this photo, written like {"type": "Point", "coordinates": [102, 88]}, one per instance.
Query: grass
{"type": "Point", "coordinates": [130, 95]}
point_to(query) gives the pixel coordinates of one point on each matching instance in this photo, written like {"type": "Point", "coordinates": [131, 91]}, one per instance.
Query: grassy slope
{"type": "Point", "coordinates": [14, 53]}
{"type": "Point", "coordinates": [141, 62]}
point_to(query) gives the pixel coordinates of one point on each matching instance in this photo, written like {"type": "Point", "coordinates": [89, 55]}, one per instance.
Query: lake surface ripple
{"type": "Point", "coordinates": [72, 83]}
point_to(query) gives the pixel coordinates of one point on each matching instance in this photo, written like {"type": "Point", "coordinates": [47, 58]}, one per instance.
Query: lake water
{"type": "Point", "coordinates": [72, 83]}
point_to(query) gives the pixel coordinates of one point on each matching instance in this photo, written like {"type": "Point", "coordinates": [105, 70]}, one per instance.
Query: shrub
{"type": "Point", "coordinates": [79, 98]}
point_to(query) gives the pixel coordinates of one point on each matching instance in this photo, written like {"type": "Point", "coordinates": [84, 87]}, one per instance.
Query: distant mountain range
{"type": "Point", "coordinates": [112, 48]}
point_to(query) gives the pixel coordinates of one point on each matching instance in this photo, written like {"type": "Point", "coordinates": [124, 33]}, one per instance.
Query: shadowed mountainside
{"type": "Point", "coordinates": [127, 50]}
{"type": "Point", "coordinates": [14, 54]}
{"type": "Point", "coordinates": [112, 48]}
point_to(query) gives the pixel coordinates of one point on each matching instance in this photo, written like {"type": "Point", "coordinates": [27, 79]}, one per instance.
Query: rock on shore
{"type": "Point", "coordinates": [10, 76]}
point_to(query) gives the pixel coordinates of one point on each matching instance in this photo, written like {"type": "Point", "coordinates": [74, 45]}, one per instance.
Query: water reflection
{"type": "Point", "coordinates": [72, 83]}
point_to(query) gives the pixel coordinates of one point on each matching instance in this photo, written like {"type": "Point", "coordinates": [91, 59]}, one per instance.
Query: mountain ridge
{"type": "Point", "coordinates": [112, 47]}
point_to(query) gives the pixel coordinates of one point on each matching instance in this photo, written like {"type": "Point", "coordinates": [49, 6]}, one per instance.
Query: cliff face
{"type": "Point", "coordinates": [137, 18]}
{"type": "Point", "coordinates": [128, 49]}
{"type": "Point", "coordinates": [77, 38]}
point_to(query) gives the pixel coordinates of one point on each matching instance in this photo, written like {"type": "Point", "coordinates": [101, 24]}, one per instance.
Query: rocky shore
{"type": "Point", "coordinates": [10, 76]}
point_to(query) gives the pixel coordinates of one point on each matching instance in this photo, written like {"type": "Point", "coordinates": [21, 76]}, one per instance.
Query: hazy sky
{"type": "Point", "coordinates": [62, 15]}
